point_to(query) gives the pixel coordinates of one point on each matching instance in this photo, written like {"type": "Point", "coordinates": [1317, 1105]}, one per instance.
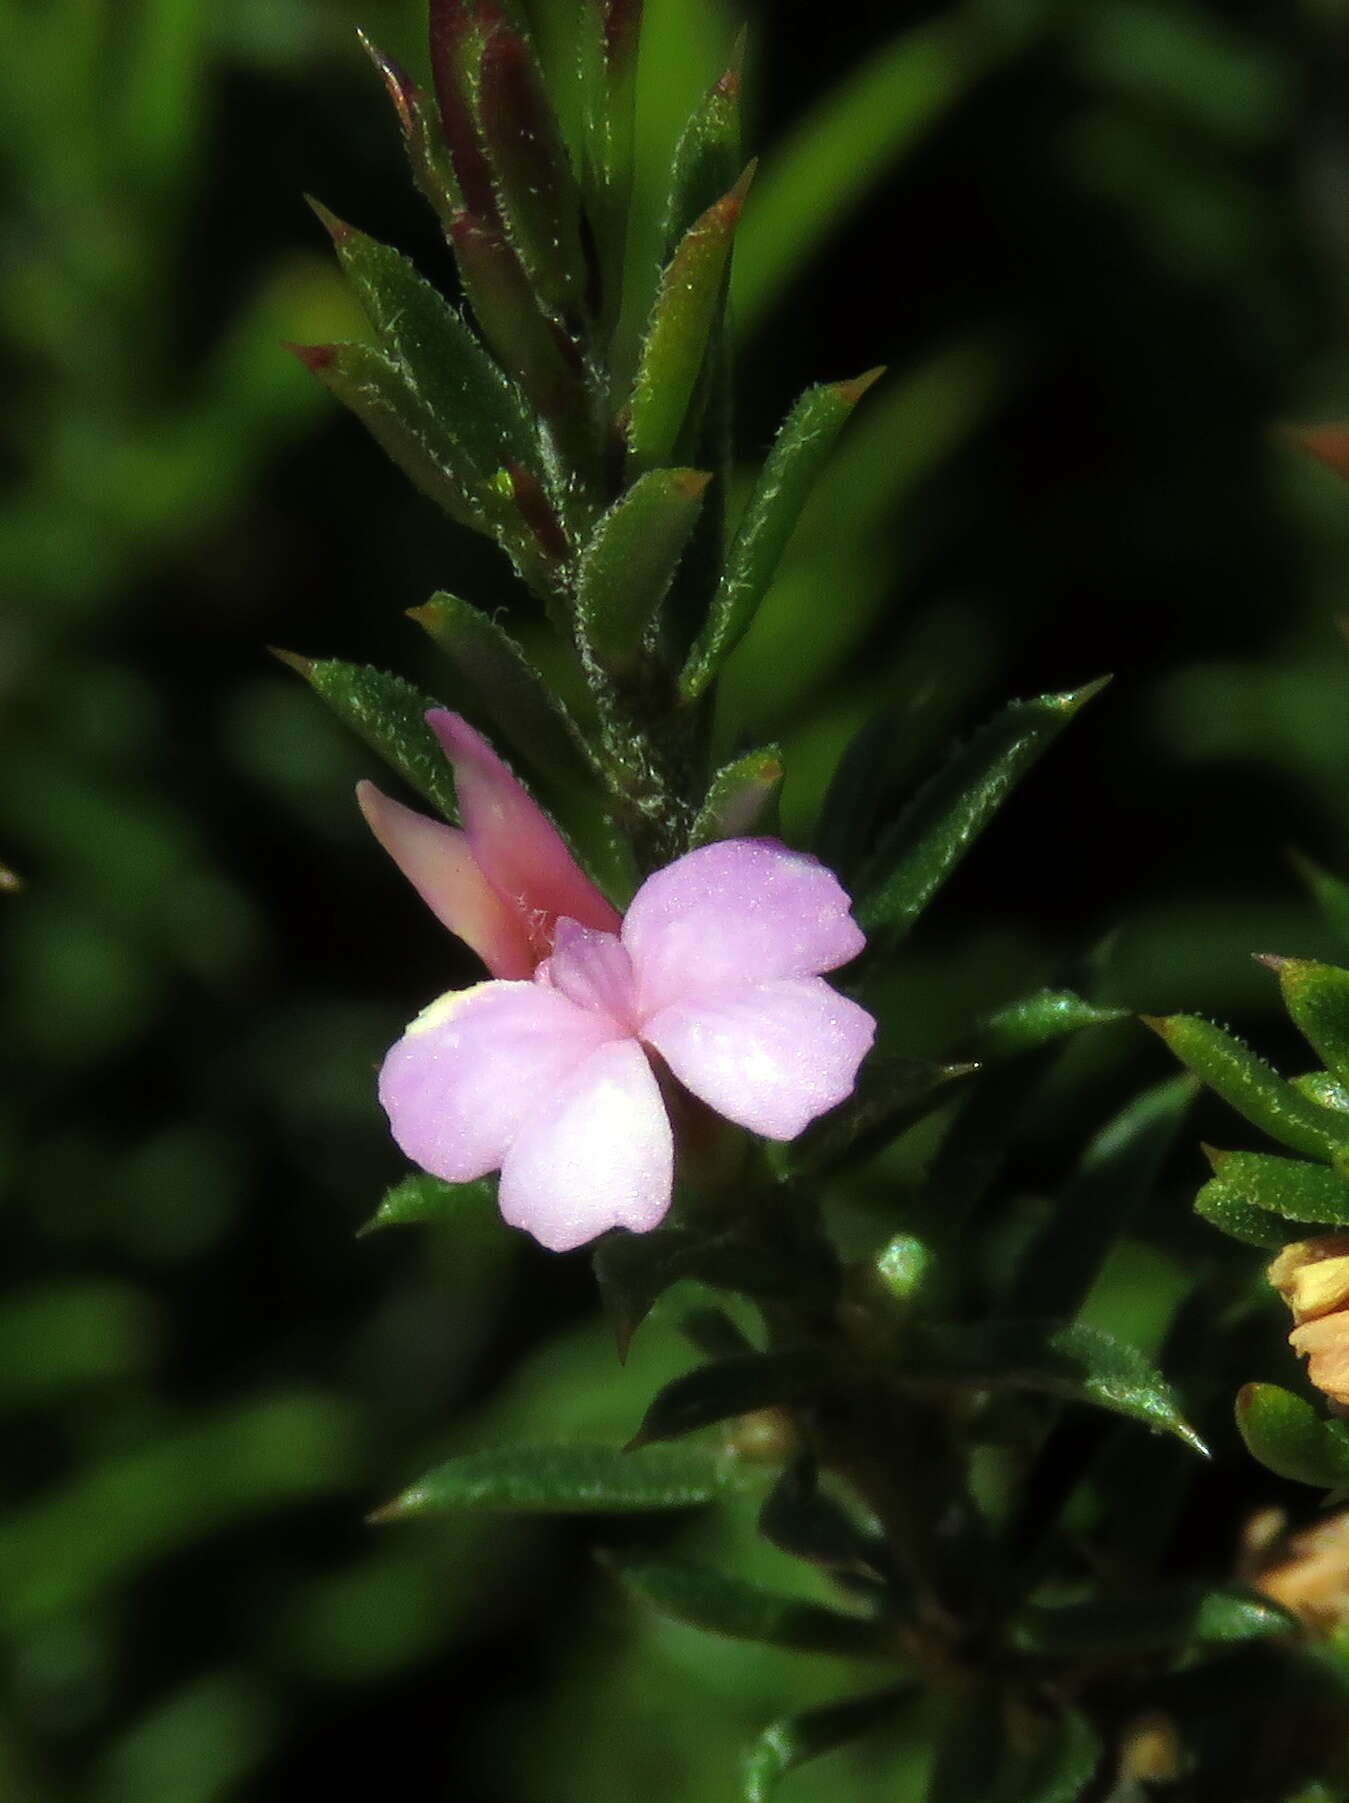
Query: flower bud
{"type": "Point", "coordinates": [1312, 1276]}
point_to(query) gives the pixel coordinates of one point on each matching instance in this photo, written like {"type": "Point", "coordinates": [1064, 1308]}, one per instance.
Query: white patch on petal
{"type": "Point", "coordinates": [443, 1010]}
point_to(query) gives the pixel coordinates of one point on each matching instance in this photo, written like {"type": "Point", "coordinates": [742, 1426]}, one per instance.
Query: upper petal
{"type": "Point", "coordinates": [594, 970]}
{"type": "Point", "coordinates": [520, 851]}
{"type": "Point", "coordinates": [741, 911]}
{"type": "Point", "coordinates": [598, 1153]}
{"type": "Point", "coordinates": [436, 860]}
{"type": "Point", "coordinates": [769, 1057]}
{"type": "Point", "coordinates": [473, 1066]}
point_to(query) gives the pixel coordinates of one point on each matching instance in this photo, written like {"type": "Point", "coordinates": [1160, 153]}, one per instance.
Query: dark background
{"type": "Point", "coordinates": [1103, 249]}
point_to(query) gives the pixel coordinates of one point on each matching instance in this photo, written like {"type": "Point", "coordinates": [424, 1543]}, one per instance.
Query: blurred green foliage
{"type": "Point", "coordinates": [1103, 248]}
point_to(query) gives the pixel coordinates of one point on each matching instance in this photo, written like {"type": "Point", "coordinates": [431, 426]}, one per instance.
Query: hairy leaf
{"type": "Point", "coordinates": [937, 831]}
{"type": "Point", "coordinates": [390, 715]}
{"type": "Point", "coordinates": [1284, 1186]}
{"type": "Point", "coordinates": [1067, 1359]}
{"type": "Point", "coordinates": [733, 1386]}
{"type": "Point", "coordinates": [1287, 1435]}
{"type": "Point", "coordinates": [418, 1200]}
{"type": "Point", "coordinates": [567, 1480]}
{"type": "Point", "coordinates": [798, 454]}
{"type": "Point", "coordinates": [1251, 1087]}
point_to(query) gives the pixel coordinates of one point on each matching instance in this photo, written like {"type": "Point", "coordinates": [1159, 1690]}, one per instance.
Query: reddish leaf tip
{"type": "Point", "coordinates": [1274, 960]}
{"type": "Point", "coordinates": [337, 229]}
{"type": "Point", "coordinates": [315, 357]}
{"type": "Point", "coordinates": [852, 391]}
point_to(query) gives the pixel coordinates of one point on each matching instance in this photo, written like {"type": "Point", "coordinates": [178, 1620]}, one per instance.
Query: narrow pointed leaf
{"type": "Point", "coordinates": [742, 799]}
{"type": "Point", "coordinates": [1252, 1088]}
{"type": "Point", "coordinates": [801, 1519]}
{"type": "Point", "coordinates": [721, 1604]}
{"type": "Point", "coordinates": [795, 1739]}
{"type": "Point", "coordinates": [456, 42]}
{"type": "Point", "coordinates": [1241, 1219]}
{"type": "Point", "coordinates": [1117, 1174]}
{"type": "Point", "coordinates": [799, 453]}
{"type": "Point", "coordinates": [568, 1480]}
{"type": "Point", "coordinates": [427, 153]}
{"type": "Point", "coordinates": [929, 841]}
{"type": "Point", "coordinates": [511, 689]}
{"type": "Point", "coordinates": [422, 1201]}
{"type": "Point", "coordinates": [634, 1270]}
{"type": "Point", "coordinates": [679, 331]}
{"type": "Point", "coordinates": [890, 1096]}
{"type": "Point", "coordinates": [1059, 1358]}
{"type": "Point", "coordinates": [707, 156]}
{"type": "Point", "coordinates": [456, 379]}
{"type": "Point", "coordinates": [628, 566]}
{"type": "Point", "coordinates": [390, 715]}
{"type": "Point", "coordinates": [1037, 1020]}
{"type": "Point", "coordinates": [1284, 1186]}
{"type": "Point", "coordinates": [380, 394]}
{"type": "Point", "coordinates": [1184, 1616]}
{"type": "Point", "coordinates": [536, 192]}
{"type": "Point", "coordinates": [733, 1386]}
{"type": "Point", "coordinates": [1286, 1434]}
{"type": "Point", "coordinates": [531, 347]}
{"type": "Point", "coordinates": [1317, 996]}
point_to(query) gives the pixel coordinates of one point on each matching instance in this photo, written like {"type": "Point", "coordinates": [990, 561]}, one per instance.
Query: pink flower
{"type": "Point", "coordinates": [546, 1073]}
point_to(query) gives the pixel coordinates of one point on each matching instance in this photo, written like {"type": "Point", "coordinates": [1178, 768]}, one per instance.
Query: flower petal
{"type": "Point", "coordinates": [741, 911]}
{"type": "Point", "coordinates": [473, 1066]}
{"type": "Point", "coordinates": [769, 1057]}
{"type": "Point", "coordinates": [594, 970]}
{"type": "Point", "coordinates": [598, 1153]}
{"type": "Point", "coordinates": [437, 861]}
{"type": "Point", "coordinates": [518, 848]}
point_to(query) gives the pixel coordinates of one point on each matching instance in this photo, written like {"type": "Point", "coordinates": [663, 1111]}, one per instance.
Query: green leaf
{"type": "Point", "coordinates": [534, 186]}
{"type": "Point", "coordinates": [730, 1387]}
{"type": "Point", "coordinates": [1066, 1359]}
{"type": "Point", "coordinates": [532, 347]}
{"type": "Point", "coordinates": [1321, 1087]}
{"type": "Point", "coordinates": [795, 1739]}
{"type": "Point", "coordinates": [419, 1200]}
{"type": "Point", "coordinates": [706, 157]}
{"type": "Point", "coordinates": [390, 715]}
{"type": "Point", "coordinates": [1034, 1021]}
{"type": "Point", "coordinates": [721, 1604]}
{"type": "Point", "coordinates": [457, 381]}
{"type": "Point", "coordinates": [1227, 1211]}
{"type": "Point", "coordinates": [633, 1270]}
{"type": "Point", "coordinates": [1117, 1174]}
{"type": "Point", "coordinates": [801, 1519]}
{"type": "Point", "coordinates": [1284, 1186]}
{"type": "Point", "coordinates": [628, 566]}
{"type": "Point", "coordinates": [1317, 997]}
{"type": "Point", "coordinates": [427, 154]}
{"type": "Point", "coordinates": [799, 452]}
{"type": "Point", "coordinates": [890, 1096]}
{"type": "Point", "coordinates": [1189, 1615]}
{"type": "Point", "coordinates": [1286, 1435]}
{"type": "Point", "coordinates": [568, 1480]}
{"type": "Point", "coordinates": [936, 832]}
{"type": "Point", "coordinates": [382, 397]}
{"type": "Point", "coordinates": [1251, 1087]}
{"type": "Point", "coordinates": [742, 798]}
{"type": "Point", "coordinates": [977, 1759]}
{"type": "Point", "coordinates": [518, 699]}
{"type": "Point", "coordinates": [679, 331]}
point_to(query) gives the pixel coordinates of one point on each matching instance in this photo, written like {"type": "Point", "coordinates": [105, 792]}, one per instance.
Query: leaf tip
{"type": "Point", "coordinates": [851, 392]}
{"type": "Point", "coordinates": [303, 666]}
{"type": "Point", "coordinates": [315, 357]}
{"type": "Point", "coordinates": [337, 229]}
